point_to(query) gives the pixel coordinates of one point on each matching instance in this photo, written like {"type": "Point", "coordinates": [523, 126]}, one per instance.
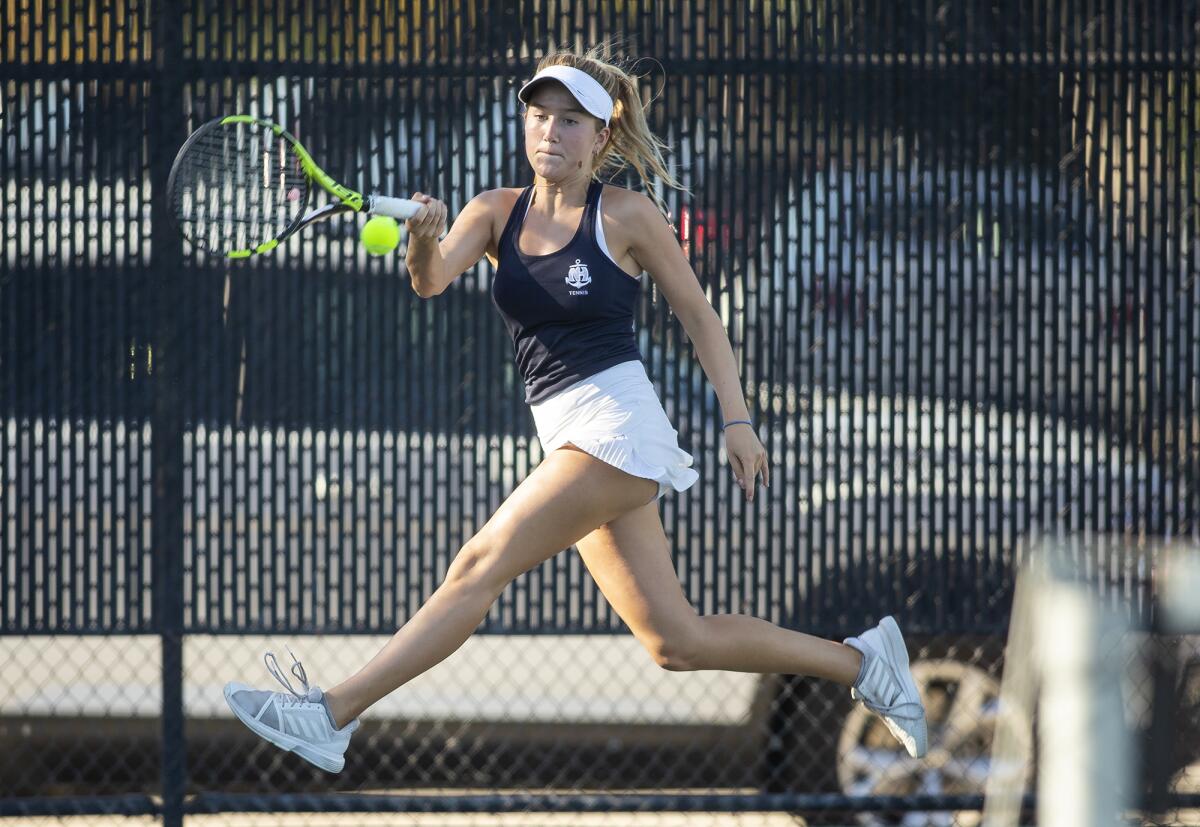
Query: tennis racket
{"type": "Point", "coordinates": [240, 185]}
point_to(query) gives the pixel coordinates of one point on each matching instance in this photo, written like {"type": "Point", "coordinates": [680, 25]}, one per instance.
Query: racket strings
{"type": "Point", "coordinates": [237, 186]}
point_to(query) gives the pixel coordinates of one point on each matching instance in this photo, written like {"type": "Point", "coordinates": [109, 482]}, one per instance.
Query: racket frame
{"type": "Point", "coordinates": [348, 200]}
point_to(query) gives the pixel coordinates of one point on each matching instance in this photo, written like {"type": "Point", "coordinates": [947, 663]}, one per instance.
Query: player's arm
{"type": "Point", "coordinates": [434, 264]}
{"type": "Point", "coordinates": [657, 251]}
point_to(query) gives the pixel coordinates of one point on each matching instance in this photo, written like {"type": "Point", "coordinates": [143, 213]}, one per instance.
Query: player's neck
{"type": "Point", "coordinates": [568, 194]}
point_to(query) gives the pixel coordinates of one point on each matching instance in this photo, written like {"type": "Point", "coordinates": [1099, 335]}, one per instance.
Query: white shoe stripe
{"type": "Point", "coordinates": [318, 731]}
{"type": "Point", "coordinates": [306, 724]}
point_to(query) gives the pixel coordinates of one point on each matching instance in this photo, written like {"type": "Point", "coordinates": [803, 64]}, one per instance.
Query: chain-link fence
{"type": "Point", "coordinates": [954, 246]}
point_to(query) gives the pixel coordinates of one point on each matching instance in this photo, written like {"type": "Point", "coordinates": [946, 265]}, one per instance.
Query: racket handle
{"type": "Point", "coordinates": [401, 208]}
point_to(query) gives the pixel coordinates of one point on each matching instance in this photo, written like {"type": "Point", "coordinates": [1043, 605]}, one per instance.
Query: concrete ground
{"type": "Point", "coordinates": [427, 820]}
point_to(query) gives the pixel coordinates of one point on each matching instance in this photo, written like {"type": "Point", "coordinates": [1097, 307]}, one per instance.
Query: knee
{"type": "Point", "coordinates": [474, 567]}
{"type": "Point", "coordinates": [675, 651]}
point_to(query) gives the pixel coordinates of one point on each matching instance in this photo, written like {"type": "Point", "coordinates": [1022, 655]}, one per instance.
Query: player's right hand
{"type": "Point", "coordinates": [430, 220]}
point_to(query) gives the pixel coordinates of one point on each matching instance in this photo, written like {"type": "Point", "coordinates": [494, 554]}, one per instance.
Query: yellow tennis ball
{"type": "Point", "coordinates": [380, 235]}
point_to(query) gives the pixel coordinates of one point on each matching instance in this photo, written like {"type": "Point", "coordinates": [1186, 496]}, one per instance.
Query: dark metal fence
{"type": "Point", "coordinates": [955, 246]}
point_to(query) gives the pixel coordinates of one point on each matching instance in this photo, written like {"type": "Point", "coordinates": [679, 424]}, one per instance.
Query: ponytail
{"type": "Point", "coordinates": [630, 143]}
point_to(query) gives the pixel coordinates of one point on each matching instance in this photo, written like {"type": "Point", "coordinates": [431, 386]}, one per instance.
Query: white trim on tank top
{"type": "Point", "coordinates": [599, 230]}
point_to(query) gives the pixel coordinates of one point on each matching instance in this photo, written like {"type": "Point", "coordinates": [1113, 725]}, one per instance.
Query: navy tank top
{"type": "Point", "coordinates": [569, 313]}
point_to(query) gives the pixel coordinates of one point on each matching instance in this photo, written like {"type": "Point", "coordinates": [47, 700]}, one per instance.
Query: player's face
{"type": "Point", "coordinates": [561, 139]}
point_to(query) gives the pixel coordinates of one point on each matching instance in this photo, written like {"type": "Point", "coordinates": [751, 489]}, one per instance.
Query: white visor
{"type": "Point", "coordinates": [586, 89]}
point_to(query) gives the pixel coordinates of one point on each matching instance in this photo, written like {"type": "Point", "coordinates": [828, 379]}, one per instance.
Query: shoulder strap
{"type": "Point", "coordinates": [516, 216]}
{"type": "Point", "coordinates": [591, 206]}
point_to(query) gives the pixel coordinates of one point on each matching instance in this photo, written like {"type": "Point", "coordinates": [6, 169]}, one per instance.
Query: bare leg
{"type": "Point", "coordinates": [630, 560]}
{"type": "Point", "coordinates": [564, 498]}
{"type": "Point", "coordinates": [441, 626]}
{"type": "Point", "coordinates": [741, 643]}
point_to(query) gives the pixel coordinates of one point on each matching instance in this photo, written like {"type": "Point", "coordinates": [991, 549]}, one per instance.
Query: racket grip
{"type": "Point", "coordinates": [401, 208]}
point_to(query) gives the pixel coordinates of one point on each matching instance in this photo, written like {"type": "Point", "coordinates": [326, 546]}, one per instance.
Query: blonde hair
{"type": "Point", "coordinates": [630, 142]}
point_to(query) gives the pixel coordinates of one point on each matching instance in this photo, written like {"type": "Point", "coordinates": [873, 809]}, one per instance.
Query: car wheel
{"type": "Point", "coordinates": [961, 704]}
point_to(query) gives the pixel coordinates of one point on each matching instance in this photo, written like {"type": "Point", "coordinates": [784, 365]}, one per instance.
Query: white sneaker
{"type": "Point", "coordinates": [886, 687]}
{"type": "Point", "coordinates": [294, 721]}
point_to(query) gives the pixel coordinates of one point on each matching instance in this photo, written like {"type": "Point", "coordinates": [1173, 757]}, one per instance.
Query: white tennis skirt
{"type": "Point", "coordinates": [616, 416]}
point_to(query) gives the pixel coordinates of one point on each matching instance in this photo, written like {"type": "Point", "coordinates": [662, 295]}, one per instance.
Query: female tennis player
{"type": "Point", "coordinates": [568, 254]}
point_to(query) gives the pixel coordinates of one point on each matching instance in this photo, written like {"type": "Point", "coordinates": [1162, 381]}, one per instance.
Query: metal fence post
{"type": "Point", "coordinates": [167, 426]}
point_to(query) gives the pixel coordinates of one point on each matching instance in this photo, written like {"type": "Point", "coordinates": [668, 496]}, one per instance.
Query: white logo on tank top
{"type": "Point", "coordinates": [577, 276]}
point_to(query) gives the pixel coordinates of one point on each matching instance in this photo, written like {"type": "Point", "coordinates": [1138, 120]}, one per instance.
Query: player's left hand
{"type": "Point", "coordinates": [747, 457]}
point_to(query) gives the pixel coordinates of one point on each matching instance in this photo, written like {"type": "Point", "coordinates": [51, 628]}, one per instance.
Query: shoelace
{"type": "Point", "coordinates": [900, 709]}
{"type": "Point", "coordinates": [273, 667]}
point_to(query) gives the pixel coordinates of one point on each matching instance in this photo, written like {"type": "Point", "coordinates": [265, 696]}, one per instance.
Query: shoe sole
{"type": "Point", "coordinates": [324, 760]}
{"type": "Point", "coordinates": [897, 652]}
